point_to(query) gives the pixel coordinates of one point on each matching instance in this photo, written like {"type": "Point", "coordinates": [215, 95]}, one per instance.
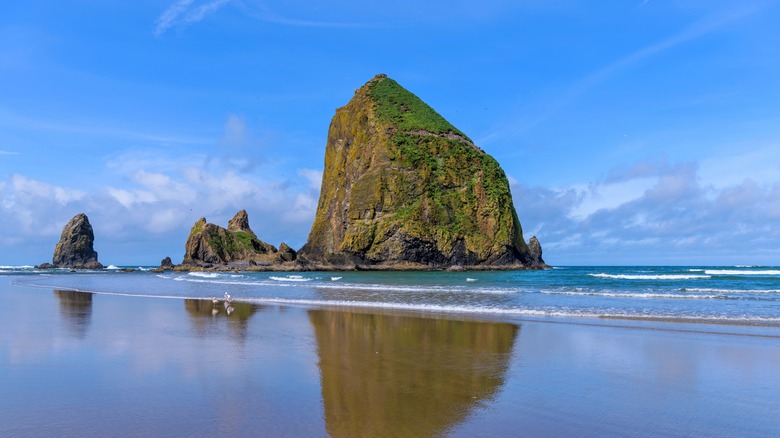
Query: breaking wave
{"type": "Point", "coordinates": [652, 276]}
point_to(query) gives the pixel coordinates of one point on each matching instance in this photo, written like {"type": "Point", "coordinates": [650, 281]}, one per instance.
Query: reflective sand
{"type": "Point", "coordinates": [75, 364]}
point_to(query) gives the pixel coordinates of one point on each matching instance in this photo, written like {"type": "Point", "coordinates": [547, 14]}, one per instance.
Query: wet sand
{"type": "Point", "coordinates": [76, 364]}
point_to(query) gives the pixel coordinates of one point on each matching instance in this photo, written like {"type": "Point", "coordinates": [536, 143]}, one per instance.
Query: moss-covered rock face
{"type": "Point", "coordinates": [402, 186]}
{"type": "Point", "coordinates": [210, 244]}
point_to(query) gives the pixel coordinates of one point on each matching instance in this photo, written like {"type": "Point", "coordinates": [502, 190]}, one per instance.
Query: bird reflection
{"type": "Point", "coordinates": [406, 376]}
{"type": "Point", "coordinates": [75, 311]}
{"type": "Point", "coordinates": [205, 313]}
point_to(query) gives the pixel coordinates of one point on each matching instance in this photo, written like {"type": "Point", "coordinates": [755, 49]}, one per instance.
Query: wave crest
{"type": "Point", "coordinates": [651, 276]}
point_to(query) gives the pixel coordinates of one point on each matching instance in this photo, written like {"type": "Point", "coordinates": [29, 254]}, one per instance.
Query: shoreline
{"type": "Point", "coordinates": [310, 371]}
{"type": "Point", "coordinates": [664, 323]}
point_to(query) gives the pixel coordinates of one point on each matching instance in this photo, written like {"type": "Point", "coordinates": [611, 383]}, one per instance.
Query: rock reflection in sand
{"type": "Point", "coordinates": [206, 313]}
{"type": "Point", "coordinates": [75, 310]}
{"type": "Point", "coordinates": [407, 376]}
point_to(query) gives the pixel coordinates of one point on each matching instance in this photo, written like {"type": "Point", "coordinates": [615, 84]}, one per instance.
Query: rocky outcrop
{"type": "Point", "coordinates": [210, 245]}
{"type": "Point", "coordinates": [286, 254]}
{"type": "Point", "coordinates": [165, 265]}
{"type": "Point", "coordinates": [240, 222]}
{"type": "Point", "coordinates": [535, 251]}
{"type": "Point", "coordinates": [75, 249]}
{"type": "Point", "coordinates": [404, 189]}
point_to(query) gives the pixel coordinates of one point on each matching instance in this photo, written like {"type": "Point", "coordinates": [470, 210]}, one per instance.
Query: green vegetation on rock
{"type": "Point", "coordinates": [402, 186]}
{"type": "Point", "coordinates": [209, 244]}
{"type": "Point", "coordinates": [397, 106]}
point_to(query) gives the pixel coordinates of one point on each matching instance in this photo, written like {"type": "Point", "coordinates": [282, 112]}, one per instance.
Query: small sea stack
{"type": "Point", "coordinates": [75, 250]}
{"type": "Point", "coordinates": [210, 246]}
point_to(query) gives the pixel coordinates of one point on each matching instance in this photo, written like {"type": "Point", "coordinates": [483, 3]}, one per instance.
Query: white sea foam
{"type": "Point", "coordinates": [542, 312]}
{"type": "Point", "coordinates": [651, 277]}
{"type": "Point", "coordinates": [204, 274]}
{"type": "Point", "coordinates": [295, 278]}
{"type": "Point", "coordinates": [307, 282]}
{"type": "Point", "coordinates": [418, 307]}
{"type": "Point", "coordinates": [730, 291]}
{"type": "Point", "coordinates": [471, 279]}
{"type": "Point", "coordinates": [335, 278]}
{"type": "Point", "coordinates": [644, 295]}
{"type": "Point", "coordinates": [16, 266]}
{"type": "Point", "coordinates": [419, 289]}
{"type": "Point", "coordinates": [742, 272]}
{"type": "Point", "coordinates": [112, 267]}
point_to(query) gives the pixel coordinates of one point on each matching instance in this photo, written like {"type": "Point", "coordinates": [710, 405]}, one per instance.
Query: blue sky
{"type": "Point", "coordinates": [633, 132]}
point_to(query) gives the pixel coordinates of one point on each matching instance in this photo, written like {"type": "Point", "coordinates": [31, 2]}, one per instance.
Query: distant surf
{"type": "Point", "coordinates": [701, 293]}
{"type": "Point", "coordinates": [650, 276]}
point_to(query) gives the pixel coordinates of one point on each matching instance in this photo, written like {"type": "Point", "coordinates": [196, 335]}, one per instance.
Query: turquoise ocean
{"type": "Point", "coordinates": [734, 295]}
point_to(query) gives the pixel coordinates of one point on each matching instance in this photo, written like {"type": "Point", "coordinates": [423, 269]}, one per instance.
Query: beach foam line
{"type": "Point", "coordinates": [651, 276]}
{"type": "Point", "coordinates": [419, 289]}
{"type": "Point", "coordinates": [294, 278]}
{"type": "Point", "coordinates": [204, 274]}
{"type": "Point", "coordinates": [742, 272]}
{"type": "Point", "coordinates": [523, 312]}
{"type": "Point", "coordinates": [730, 291]}
{"type": "Point", "coordinates": [329, 284]}
{"type": "Point", "coordinates": [641, 295]}
{"type": "Point", "coordinates": [437, 308]}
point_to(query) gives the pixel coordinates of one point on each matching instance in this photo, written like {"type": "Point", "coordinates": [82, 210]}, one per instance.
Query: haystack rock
{"type": "Point", "coordinates": [403, 188]}
{"type": "Point", "coordinates": [237, 246]}
{"type": "Point", "coordinates": [75, 249]}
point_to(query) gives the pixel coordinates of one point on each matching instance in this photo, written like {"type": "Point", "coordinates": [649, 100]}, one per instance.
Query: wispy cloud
{"type": "Point", "coordinates": [695, 30]}
{"type": "Point", "coordinates": [2, 152]}
{"type": "Point", "coordinates": [259, 11]}
{"type": "Point", "coordinates": [185, 12]}
{"type": "Point", "coordinates": [11, 119]}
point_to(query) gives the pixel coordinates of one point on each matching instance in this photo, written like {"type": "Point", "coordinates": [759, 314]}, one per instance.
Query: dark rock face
{"type": "Point", "coordinates": [210, 244]}
{"type": "Point", "coordinates": [240, 222]}
{"type": "Point", "coordinates": [75, 248]}
{"type": "Point", "coordinates": [402, 188]}
{"type": "Point", "coordinates": [286, 254]}
{"type": "Point", "coordinates": [535, 249]}
{"type": "Point", "coordinates": [166, 263]}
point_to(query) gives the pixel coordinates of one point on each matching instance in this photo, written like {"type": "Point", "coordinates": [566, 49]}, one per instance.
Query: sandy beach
{"type": "Point", "coordinates": [79, 364]}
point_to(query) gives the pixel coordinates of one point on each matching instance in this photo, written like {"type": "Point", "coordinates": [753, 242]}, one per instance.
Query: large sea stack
{"type": "Point", "coordinates": [75, 249]}
{"type": "Point", "coordinates": [402, 188]}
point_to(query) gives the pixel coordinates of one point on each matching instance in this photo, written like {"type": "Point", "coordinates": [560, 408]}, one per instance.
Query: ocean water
{"type": "Point", "coordinates": [734, 295]}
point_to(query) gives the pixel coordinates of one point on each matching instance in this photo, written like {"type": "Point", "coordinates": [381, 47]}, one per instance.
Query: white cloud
{"type": "Point", "coordinates": [185, 12]}
{"type": "Point", "coordinates": [609, 196]}
{"type": "Point", "coordinates": [760, 164]}
{"type": "Point", "coordinates": [313, 176]}
{"type": "Point", "coordinates": [666, 215]}
{"type": "Point", "coordinates": [153, 201]}
{"type": "Point", "coordinates": [27, 188]}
